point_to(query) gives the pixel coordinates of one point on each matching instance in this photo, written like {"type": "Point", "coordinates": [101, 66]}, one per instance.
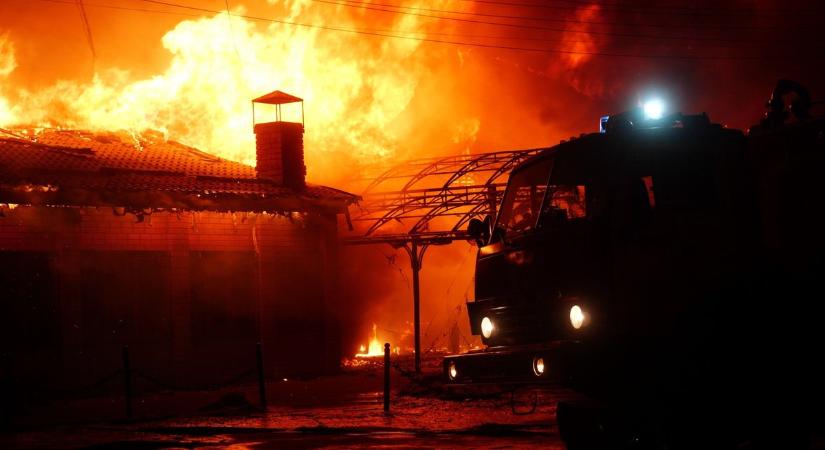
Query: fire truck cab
{"type": "Point", "coordinates": [668, 271]}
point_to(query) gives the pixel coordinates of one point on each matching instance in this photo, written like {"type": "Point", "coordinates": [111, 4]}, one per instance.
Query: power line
{"type": "Point", "coordinates": [717, 42]}
{"type": "Point", "coordinates": [231, 31]}
{"type": "Point", "coordinates": [470, 44]}
{"type": "Point", "coordinates": [380, 30]}
{"type": "Point", "coordinates": [648, 9]}
{"type": "Point", "coordinates": [87, 29]}
{"type": "Point", "coordinates": [461, 43]}
{"type": "Point", "coordinates": [560, 20]}
{"type": "Point", "coordinates": [362, 5]}
{"type": "Point", "coordinates": [123, 8]}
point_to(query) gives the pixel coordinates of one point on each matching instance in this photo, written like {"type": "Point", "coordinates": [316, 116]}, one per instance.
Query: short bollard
{"type": "Point", "coordinates": [387, 377]}
{"type": "Point", "coordinates": [259, 356]}
{"type": "Point", "coordinates": [6, 393]}
{"type": "Point", "coordinates": [127, 382]}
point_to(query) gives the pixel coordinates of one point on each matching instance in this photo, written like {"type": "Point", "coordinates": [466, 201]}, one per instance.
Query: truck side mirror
{"type": "Point", "coordinates": [480, 231]}
{"type": "Point", "coordinates": [476, 231]}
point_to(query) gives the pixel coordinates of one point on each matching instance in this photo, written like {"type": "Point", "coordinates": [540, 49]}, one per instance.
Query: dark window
{"type": "Point", "coordinates": [224, 296]}
{"type": "Point", "coordinates": [125, 298]}
{"type": "Point", "coordinates": [522, 201]}
{"type": "Point", "coordinates": [29, 306]}
{"type": "Point", "coordinates": [568, 192]}
{"type": "Point", "coordinates": [566, 202]}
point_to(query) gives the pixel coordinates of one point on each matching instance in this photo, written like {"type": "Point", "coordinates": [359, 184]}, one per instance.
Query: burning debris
{"type": "Point", "coordinates": [374, 348]}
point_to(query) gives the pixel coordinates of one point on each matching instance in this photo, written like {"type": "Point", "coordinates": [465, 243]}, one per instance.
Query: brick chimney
{"type": "Point", "coordinates": [280, 145]}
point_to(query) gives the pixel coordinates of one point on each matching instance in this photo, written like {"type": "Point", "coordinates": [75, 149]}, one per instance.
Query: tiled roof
{"type": "Point", "coordinates": [83, 168]}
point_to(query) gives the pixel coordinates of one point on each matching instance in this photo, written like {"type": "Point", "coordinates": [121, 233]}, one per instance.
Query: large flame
{"type": "Point", "coordinates": [368, 99]}
{"type": "Point", "coordinates": [354, 88]}
{"type": "Point", "coordinates": [7, 66]}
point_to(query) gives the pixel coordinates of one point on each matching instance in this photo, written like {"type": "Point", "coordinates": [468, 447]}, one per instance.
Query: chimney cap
{"type": "Point", "coordinates": [277, 98]}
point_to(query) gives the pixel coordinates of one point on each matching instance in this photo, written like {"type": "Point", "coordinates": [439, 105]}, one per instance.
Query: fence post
{"type": "Point", "coordinates": [259, 356]}
{"type": "Point", "coordinates": [386, 377]}
{"type": "Point", "coordinates": [127, 382]}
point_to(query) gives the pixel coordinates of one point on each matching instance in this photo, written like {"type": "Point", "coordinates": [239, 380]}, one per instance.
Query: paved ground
{"type": "Point", "coordinates": [344, 410]}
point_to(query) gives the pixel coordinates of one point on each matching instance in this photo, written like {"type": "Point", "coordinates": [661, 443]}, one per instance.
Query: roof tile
{"type": "Point", "coordinates": [119, 162]}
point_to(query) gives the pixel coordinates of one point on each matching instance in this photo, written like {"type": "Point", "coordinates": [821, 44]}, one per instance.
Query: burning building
{"type": "Point", "coordinates": [121, 239]}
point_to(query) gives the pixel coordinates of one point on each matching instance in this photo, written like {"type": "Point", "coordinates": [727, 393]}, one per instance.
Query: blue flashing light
{"type": "Point", "coordinates": [603, 123]}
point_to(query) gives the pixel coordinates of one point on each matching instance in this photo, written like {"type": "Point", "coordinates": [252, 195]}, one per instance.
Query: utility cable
{"type": "Point", "coordinates": [557, 40]}
{"type": "Point", "coordinates": [123, 8]}
{"type": "Point", "coordinates": [668, 26]}
{"type": "Point", "coordinates": [362, 5]}
{"type": "Point", "coordinates": [475, 44]}
{"type": "Point", "coordinates": [232, 31]}
{"type": "Point", "coordinates": [393, 35]}
{"type": "Point", "coordinates": [661, 10]}
{"type": "Point", "coordinates": [87, 29]}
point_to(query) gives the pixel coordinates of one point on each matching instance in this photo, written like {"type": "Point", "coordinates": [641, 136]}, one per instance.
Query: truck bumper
{"type": "Point", "coordinates": [545, 363]}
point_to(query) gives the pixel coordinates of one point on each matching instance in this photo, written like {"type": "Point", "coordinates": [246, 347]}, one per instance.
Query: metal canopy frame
{"type": "Point", "coordinates": [461, 187]}
{"type": "Point", "coordinates": [435, 191]}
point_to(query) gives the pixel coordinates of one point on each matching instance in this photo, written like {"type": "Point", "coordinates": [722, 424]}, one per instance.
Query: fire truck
{"type": "Point", "coordinates": [668, 270]}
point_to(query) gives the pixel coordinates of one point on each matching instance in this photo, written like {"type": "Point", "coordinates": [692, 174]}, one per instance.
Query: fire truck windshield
{"type": "Point", "coordinates": [522, 202]}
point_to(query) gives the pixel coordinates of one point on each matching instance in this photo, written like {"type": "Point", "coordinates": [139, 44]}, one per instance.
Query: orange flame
{"type": "Point", "coordinates": [354, 88]}
{"type": "Point", "coordinates": [369, 100]}
{"type": "Point", "coordinates": [375, 348]}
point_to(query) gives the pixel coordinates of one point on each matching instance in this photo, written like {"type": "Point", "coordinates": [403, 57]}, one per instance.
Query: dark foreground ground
{"type": "Point", "coordinates": [343, 410]}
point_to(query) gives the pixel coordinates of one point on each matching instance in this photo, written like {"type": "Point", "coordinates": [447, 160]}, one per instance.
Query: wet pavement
{"type": "Point", "coordinates": [343, 410]}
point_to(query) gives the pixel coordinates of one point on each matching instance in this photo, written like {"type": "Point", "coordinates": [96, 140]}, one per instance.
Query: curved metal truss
{"type": "Point", "coordinates": [437, 197]}
{"type": "Point", "coordinates": [448, 190]}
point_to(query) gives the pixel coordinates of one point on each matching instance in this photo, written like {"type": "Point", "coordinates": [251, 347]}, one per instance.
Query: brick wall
{"type": "Point", "coordinates": [288, 261]}
{"type": "Point", "coordinates": [280, 153]}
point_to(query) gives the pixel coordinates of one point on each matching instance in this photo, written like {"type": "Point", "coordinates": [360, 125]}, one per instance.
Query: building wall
{"type": "Point", "coordinates": [190, 294]}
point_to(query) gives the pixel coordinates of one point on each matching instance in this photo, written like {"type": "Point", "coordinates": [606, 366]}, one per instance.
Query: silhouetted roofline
{"type": "Point", "coordinates": [87, 169]}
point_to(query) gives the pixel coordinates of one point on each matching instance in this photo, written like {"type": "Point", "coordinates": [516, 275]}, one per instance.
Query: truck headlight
{"type": "Point", "coordinates": [578, 317]}
{"type": "Point", "coordinates": [452, 371]}
{"type": "Point", "coordinates": [538, 366]}
{"type": "Point", "coordinates": [487, 327]}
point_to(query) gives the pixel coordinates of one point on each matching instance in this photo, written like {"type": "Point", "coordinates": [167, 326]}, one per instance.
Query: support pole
{"type": "Point", "coordinates": [387, 377]}
{"type": "Point", "coordinates": [492, 201]}
{"type": "Point", "coordinates": [416, 267]}
{"type": "Point", "coordinates": [259, 357]}
{"type": "Point", "coordinates": [127, 382]}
